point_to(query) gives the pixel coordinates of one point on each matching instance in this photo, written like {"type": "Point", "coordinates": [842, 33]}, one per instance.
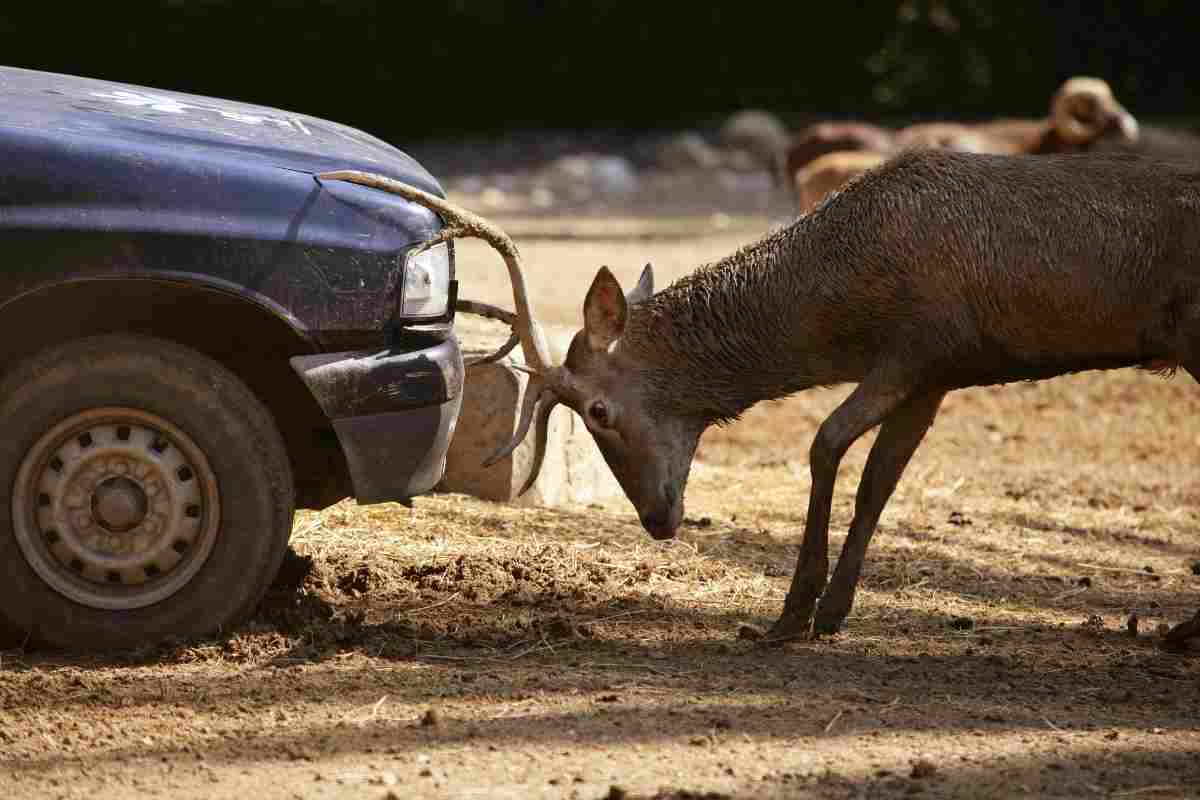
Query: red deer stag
{"type": "Point", "coordinates": [937, 271]}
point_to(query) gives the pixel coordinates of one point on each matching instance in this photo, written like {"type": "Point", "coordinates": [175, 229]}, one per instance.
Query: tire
{"type": "Point", "coordinates": [145, 493]}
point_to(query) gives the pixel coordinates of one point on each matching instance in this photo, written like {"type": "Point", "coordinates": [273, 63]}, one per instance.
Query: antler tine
{"type": "Point", "coordinates": [540, 397]}
{"type": "Point", "coordinates": [487, 310]}
{"type": "Point", "coordinates": [533, 395]}
{"type": "Point", "coordinates": [466, 224]}
{"type": "Point", "coordinates": [504, 350]}
{"type": "Point", "coordinates": [541, 436]}
{"type": "Point", "coordinates": [500, 315]}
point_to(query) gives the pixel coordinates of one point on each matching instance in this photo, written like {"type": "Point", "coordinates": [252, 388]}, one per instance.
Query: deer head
{"type": "Point", "coordinates": [648, 449]}
{"type": "Point", "coordinates": [1084, 109]}
{"type": "Point", "coordinates": [649, 453]}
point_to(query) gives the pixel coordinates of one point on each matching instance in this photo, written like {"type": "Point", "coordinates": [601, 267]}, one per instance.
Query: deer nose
{"type": "Point", "coordinates": [662, 518]}
{"type": "Point", "coordinates": [658, 524]}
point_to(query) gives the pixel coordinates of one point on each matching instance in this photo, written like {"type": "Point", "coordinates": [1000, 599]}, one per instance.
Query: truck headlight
{"type": "Point", "coordinates": [425, 293]}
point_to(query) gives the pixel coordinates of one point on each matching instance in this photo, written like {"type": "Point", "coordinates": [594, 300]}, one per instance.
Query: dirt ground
{"type": "Point", "coordinates": [462, 649]}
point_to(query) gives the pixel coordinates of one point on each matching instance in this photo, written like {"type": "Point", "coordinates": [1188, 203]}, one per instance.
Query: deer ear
{"type": "Point", "coordinates": [604, 310]}
{"type": "Point", "coordinates": [644, 288]}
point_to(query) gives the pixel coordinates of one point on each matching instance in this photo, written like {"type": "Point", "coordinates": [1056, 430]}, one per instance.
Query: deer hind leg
{"type": "Point", "coordinates": [871, 401]}
{"type": "Point", "coordinates": [1181, 633]}
{"type": "Point", "coordinates": [898, 439]}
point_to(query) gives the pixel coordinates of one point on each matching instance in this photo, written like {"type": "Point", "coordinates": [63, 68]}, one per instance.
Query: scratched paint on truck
{"type": "Point", "coordinates": [88, 107]}
{"type": "Point", "coordinates": [104, 177]}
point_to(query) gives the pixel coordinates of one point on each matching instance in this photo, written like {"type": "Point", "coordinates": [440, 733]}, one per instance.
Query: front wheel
{"type": "Point", "coordinates": [148, 494]}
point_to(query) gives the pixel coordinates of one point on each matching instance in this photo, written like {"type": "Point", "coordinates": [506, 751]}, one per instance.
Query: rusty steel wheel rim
{"type": "Point", "coordinates": [115, 508]}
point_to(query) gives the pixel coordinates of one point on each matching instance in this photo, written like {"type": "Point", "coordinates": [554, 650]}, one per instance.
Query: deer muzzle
{"type": "Point", "coordinates": [661, 519]}
{"type": "Point", "coordinates": [658, 524]}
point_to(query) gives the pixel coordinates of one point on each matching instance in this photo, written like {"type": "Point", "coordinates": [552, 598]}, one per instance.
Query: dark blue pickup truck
{"type": "Point", "coordinates": [198, 336]}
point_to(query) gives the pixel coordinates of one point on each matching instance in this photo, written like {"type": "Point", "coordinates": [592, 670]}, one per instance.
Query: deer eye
{"type": "Point", "coordinates": [599, 413]}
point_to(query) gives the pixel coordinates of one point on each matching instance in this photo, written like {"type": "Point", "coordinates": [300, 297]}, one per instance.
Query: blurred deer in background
{"type": "Point", "coordinates": [1084, 115]}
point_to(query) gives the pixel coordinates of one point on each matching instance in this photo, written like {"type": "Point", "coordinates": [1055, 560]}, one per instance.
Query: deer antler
{"type": "Point", "coordinates": [500, 315]}
{"type": "Point", "coordinates": [545, 377]}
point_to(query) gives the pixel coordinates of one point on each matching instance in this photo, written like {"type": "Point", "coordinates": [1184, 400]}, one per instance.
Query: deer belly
{"type": "Point", "coordinates": [1037, 353]}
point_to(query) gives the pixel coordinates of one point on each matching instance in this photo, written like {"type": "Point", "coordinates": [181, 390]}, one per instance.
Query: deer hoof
{"type": "Point", "coordinates": [828, 624]}
{"type": "Point", "coordinates": [829, 619]}
{"type": "Point", "coordinates": [788, 629]}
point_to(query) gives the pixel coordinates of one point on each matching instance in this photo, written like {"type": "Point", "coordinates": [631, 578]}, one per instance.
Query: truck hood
{"type": "Point", "coordinates": [133, 118]}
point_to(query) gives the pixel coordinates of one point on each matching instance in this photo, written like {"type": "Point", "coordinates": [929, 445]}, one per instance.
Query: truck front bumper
{"type": "Point", "coordinates": [393, 411]}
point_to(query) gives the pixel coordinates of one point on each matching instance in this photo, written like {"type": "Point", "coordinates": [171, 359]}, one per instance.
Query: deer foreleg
{"type": "Point", "coordinates": [898, 439]}
{"type": "Point", "coordinates": [870, 402]}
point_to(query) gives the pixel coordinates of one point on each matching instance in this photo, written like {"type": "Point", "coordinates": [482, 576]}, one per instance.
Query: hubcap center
{"type": "Point", "coordinates": [119, 504]}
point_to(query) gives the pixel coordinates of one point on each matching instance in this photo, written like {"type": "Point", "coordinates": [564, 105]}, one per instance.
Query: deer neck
{"type": "Point", "coordinates": [736, 332]}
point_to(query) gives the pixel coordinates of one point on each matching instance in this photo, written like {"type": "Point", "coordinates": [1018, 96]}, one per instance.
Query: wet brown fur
{"type": "Point", "coordinates": [969, 269]}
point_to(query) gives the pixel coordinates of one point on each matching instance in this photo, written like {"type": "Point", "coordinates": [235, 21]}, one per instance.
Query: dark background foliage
{"type": "Point", "coordinates": [409, 70]}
